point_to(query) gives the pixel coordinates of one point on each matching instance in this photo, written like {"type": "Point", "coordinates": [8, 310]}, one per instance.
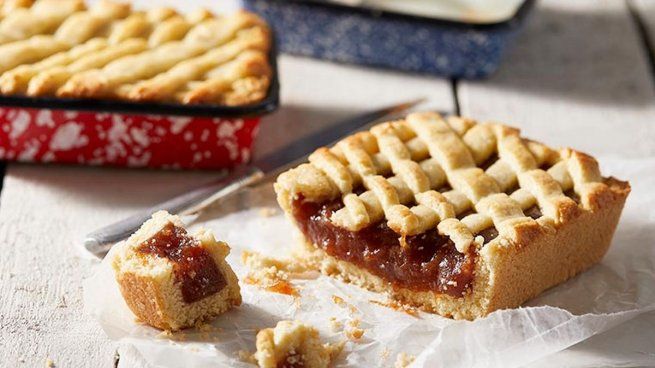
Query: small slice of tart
{"type": "Point", "coordinates": [292, 344]}
{"type": "Point", "coordinates": [173, 280]}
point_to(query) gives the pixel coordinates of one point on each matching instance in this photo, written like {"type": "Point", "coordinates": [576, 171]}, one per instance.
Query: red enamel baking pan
{"type": "Point", "coordinates": [118, 133]}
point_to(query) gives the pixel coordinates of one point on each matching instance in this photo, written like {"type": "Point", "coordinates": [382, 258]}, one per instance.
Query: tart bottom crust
{"type": "Point", "coordinates": [505, 275]}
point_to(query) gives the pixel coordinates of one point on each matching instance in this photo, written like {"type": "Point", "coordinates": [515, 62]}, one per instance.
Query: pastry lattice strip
{"type": "Point", "coordinates": [177, 78]}
{"type": "Point", "coordinates": [80, 38]}
{"type": "Point", "coordinates": [74, 29]}
{"type": "Point", "coordinates": [47, 76]}
{"type": "Point", "coordinates": [8, 6]}
{"type": "Point", "coordinates": [350, 163]}
{"type": "Point", "coordinates": [44, 17]}
{"type": "Point", "coordinates": [200, 39]}
{"type": "Point", "coordinates": [75, 39]}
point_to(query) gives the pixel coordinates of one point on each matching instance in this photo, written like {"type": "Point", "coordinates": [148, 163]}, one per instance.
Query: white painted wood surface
{"type": "Point", "coordinates": [561, 72]}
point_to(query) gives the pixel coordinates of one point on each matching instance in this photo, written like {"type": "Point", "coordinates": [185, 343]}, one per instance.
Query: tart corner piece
{"type": "Point", "coordinates": [171, 279]}
{"type": "Point", "coordinates": [453, 216]}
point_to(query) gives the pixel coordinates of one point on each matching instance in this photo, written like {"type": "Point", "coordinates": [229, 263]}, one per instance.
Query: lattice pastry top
{"type": "Point", "coordinates": [453, 174]}
{"type": "Point", "coordinates": [62, 48]}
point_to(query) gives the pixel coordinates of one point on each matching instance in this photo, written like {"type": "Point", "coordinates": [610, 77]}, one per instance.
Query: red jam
{"type": "Point", "coordinates": [428, 262]}
{"type": "Point", "coordinates": [193, 266]}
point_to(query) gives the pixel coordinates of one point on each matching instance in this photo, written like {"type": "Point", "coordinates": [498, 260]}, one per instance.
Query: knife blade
{"type": "Point", "coordinates": [100, 241]}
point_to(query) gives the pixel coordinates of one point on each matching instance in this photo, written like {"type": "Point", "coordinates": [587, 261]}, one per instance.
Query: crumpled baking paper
{"type": "Point", "coordinates": [618, 289]}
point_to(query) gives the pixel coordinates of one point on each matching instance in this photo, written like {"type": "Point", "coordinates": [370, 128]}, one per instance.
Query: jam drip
{"type": "Point", "coordinates": [193, 266]}
{"type": "Point", "coordinates": [427, 262]}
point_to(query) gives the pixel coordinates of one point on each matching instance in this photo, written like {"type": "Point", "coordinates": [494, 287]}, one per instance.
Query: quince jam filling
{"type": "Point", "coordinates": [428, 262]}
{"type": "Point", "coordinates": [193, 266]}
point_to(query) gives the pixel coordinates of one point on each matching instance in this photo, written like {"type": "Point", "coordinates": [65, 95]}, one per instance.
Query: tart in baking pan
{"type": "Point", "coordinates": [62, 48]}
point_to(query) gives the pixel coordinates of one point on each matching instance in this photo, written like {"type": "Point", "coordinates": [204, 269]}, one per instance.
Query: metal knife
{"type": "Point", "coordinates": [100, 241]}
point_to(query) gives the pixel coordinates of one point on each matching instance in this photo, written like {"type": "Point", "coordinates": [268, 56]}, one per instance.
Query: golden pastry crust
{"type": "Point", "coordinates": [462, 178]}
{"type": "Point", "coordinates": [44, 17]}
{"type": "Point", "coordinates": [61, 48]}
{"type": "Point", "coordinates": [293, 344]}
{"type": "Point", "coordinates": [151, 290]}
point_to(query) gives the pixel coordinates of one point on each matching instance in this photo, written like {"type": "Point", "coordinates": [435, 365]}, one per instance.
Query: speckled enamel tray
{"type": "Point", "coordinates": [361, 35]}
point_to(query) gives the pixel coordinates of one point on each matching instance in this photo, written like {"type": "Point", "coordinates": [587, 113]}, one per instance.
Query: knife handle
{"type": "Point", "coordinates": [100, 241]}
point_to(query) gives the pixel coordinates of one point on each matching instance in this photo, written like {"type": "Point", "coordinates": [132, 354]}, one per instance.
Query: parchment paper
{"type": "Point", "coordinates": [618, 289]}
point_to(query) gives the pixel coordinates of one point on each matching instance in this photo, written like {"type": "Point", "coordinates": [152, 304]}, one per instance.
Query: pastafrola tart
{"type": "Point", "coordinates": [456, 217]}
{"type": "Point", "coordinates": [171, 279]}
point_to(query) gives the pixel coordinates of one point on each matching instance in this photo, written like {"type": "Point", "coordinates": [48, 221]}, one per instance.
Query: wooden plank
{"type": "Point", "coordinates": [578, 65]}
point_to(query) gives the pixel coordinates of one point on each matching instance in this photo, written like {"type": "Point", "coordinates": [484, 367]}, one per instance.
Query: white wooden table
{"type": "Point", "coordinates": [583, 63]}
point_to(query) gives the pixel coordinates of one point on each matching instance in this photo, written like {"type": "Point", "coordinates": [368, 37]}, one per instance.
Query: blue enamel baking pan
{"type": "Point", "coordinates": [343, 33]}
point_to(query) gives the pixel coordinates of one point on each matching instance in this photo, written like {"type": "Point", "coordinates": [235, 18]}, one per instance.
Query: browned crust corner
{"type": "Point", "coordinates": [526, 232]}
{"type": "Point", "coordinates": [84, 85]}
{"type": "Point", "coordinates": [609, 192]}
{"type": "Point", "coordinates": [518, 274]}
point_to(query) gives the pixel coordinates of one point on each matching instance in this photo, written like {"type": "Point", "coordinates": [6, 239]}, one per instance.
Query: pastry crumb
{"type": "Point", "coordinates": [267, 211]}
{"type": "Point", "coordinates": [173, 335]}
{"type": "Point", "coordinates": [339, 301]}
{"type": "Point", "coordinates": [334, 349]}
{"type": "Point", "coordinates": [353, 332]}
{"type": "Point", "coordinates": [404, 360]}
{"type": "Point", "coordinates": [335, 325]}
{"type": "Point", "coordinates": [271, 274]}
{"type": "Point", "coordinates": [247, 357]}
{"type": "Point", "coordinates": [384, 355]}
{"type": "Point", "coordinates": [342, 303]}
{"type": "Point", "coordinates": [206, 327]}
{"type": "Point", "coordinates": [396, 305]}
{"type": "Point", "coordinates": [49, 363]}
